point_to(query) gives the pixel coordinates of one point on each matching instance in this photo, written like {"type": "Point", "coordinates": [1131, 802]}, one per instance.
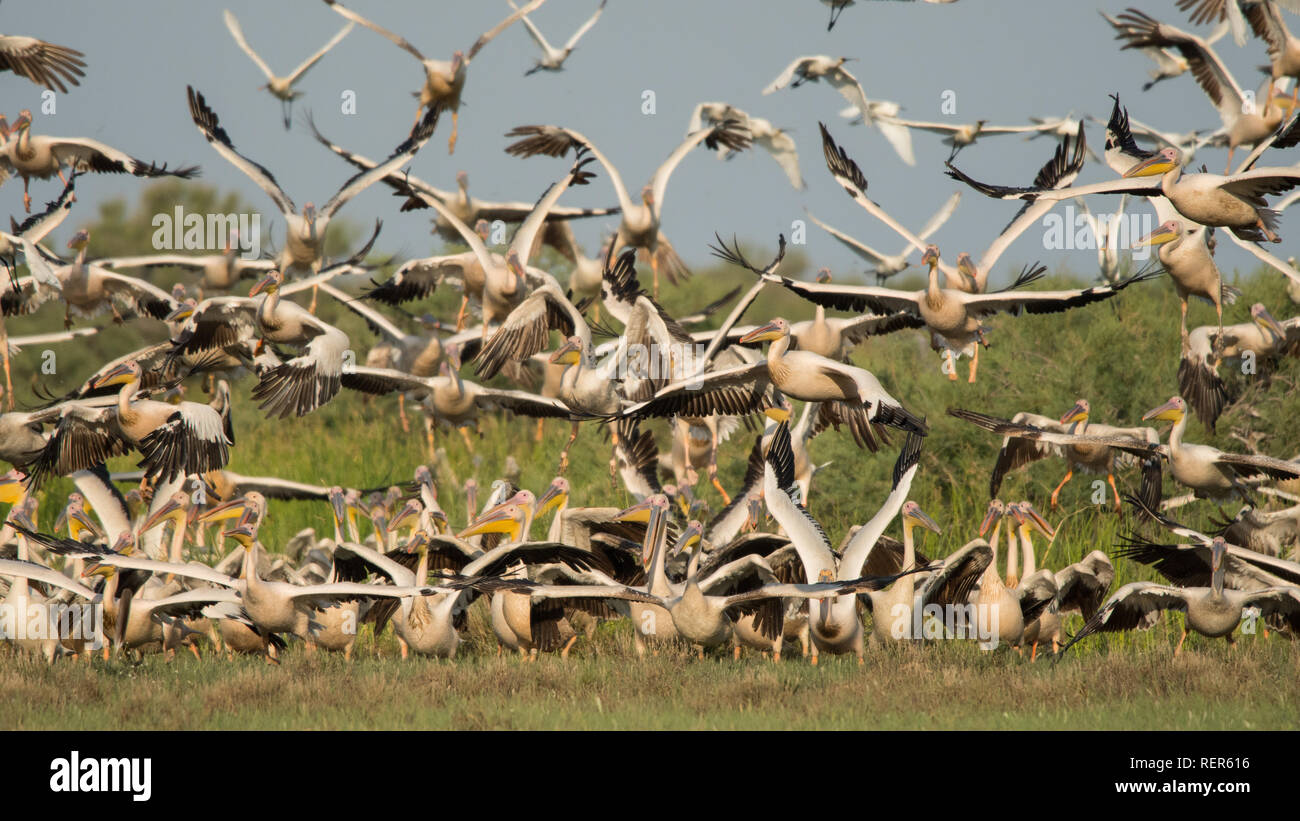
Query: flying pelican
{"type": "Point", "coordinates": [553, 58]}
{"type": "Point", "coordinates": [776, 141]}
{"type": "Point", "coordinates": [1263, 338]}
{"type": "Point", "coordinates": [883, 265]}
{"type": "Point", "coordinates": [1212, 611]}
{"type": "Point", "coordinates": [281, 87]}
{"type": "Point", "coordinates": [1106, 233]}
{"type": "Point", "coordinates": [1246, 122]}
{"type": "Point", "coordinates": [173, 440]}
{"type": "Point", "coordinates": [640, 223]}
{"type": "Point", "coordinates": [44, 157]}
{"type": "Point", "coordinates": [304, 239]}
{"type": "Point", "coordinates": [1208, 471]}
{"type": "Point", "coordinates": [874, 112]}
{"type": "Point", "coordinates": [1266, 21]}
{"type": "Point", "coordinates": [443, 80]}
{"type": "Point", "coordinates": [1169, 63]}
{"type": "Point", "coordinates": [1023, 444]}
{"type": "Point", "coordinates": [958, 136]}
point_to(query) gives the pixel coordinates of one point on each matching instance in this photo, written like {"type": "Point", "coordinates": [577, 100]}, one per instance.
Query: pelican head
{"type": "Point", "coordinates": [570, 353]}
{"type": "Point", "coordinates": [1172, 411]}
{"type": "Point", "coordinates": [913, 517]}
{"type": "Point", "coordinates": [462, 182]}
{"type": "Point", "coordinates": [776, 329]}
{"type": "Point", "coordinates": [451, 356]}
{"type": "Point", "coordinates": [823, 275]}
{"type": "Point", "coordinates": [1167, 231]}
{"type": "Point", "coordinates": [1165, 160]}
{"type": "Point", "coordinates": [1218, 549]}
{"type": "Point", "coordinates": [1078, 413]}
{"type": "Point", "coordinates": [654, 513]}
{"type": "Point", "coordinates": [1026, 516]}
{"type": "Point", "coordinates": [411, 510]}
{"type": "Point", "coordinates": [1261, 317]}
{"type": "Point", "coordinates": [483, 228]}
{"type": "Point", "coordinates": [173, 509]}
{"type": "Point", "coordinates": [309, 216]}
{"type": "Point", "coordinates": [424, 476]}
{"type": "Point", "coordinates": [124, 374]}
{"type": "Point", "coordinates": [269, 284]}
{"type": "Point", "coordinates": [930, 256]}
{"type": "Point", "coordinates": [244, 534]}
{"type": "Point", "coordinates": [995, 511]}
{"type": "Point", "coordinates": [555, 496]}
{"type": "Point", "coordinates": [23, 122]}
{"type": "Point", "coordinates": [514, 264]}
{"type": "Point", "coordinates": [965, 267]}
{"type": "Point", "coordinates": [648, 196]}
{"type": "Point", "coordinates": [184, 310]}
{"type": "Point", "coordinates": [457, 61]}
{"type": "Point", "coordinates": [690, 537]}
{"type": "Point", "coordinates": [79, 240]}
{"type": "Point", "coordinates": [504, 518]}
{"type": "Point", "coordinates": [337, 504]}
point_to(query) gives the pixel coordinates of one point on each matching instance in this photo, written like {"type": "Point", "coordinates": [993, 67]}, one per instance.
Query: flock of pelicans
{"type": "Point", "coordinates": [762, 570]}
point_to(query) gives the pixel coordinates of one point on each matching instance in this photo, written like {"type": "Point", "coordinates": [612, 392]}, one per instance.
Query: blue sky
{"type": "Point", "coordinates": [1005, 61]}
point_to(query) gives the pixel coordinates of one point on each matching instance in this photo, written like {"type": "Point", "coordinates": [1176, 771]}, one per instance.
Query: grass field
{"type": "Point", "coordinates": [1121, 355]}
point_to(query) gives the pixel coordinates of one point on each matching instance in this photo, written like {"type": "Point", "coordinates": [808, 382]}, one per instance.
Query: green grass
{"type": "Point", "coordinates": [1121, 355]}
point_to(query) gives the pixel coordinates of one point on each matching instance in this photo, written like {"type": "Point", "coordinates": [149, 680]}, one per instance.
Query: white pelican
{"type": "Point", "coordinates": [1106, 233]}
{"type": "Point", "coordinates": [304, 239]}
{"type": "Point", "coordinates": [173, 440]}
{"type": "Point", "coordinates": [1213, 611]}
{"type": "Point", "coordinates": [1026, 440]}
{"type": "Point", "coordinates": [776, 141]}
{"type": "Point", "coordinates": [444, 80]}
{"type": "Point", "coordinates": [43, 63]}
{"type": "Point", "coordinates": [1169, 63]}
{"type": "Point", "coordinates": [1208, 346]}
{"type": "Point", "coordinates": [640, 225]}
{"type": "Point", "coordinates": [281, 87]}
{"type": "Point", "coordinates": [553, 58]}
{"type": "Point", "coordinates": [884, 265]}
{"type": "Point", "coordinates": [1246, 121]}
{"type": "Point", "coordinates": [879, 113]}
{"type": "Point", "coordinates": [1208, 471]}
{"type": "Point", "coordinates": [44, 157]}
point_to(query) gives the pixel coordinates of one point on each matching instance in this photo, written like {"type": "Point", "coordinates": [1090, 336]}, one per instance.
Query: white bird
{"type": "Point", "coordinates": [831, 69]}
{"type": "Point", "coordinates": [281, 87]}
{"type": "Point", "coordinates": [553, 58]}
{"type": "Point", "coordinates": [43, 63]}
{"type": "Point", "coordinates": [776, 141]}
{"type": "Point", "coordinates": [885, 266]}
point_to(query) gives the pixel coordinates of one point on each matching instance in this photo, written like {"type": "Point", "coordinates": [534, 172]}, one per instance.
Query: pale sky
{"type": "Point", "coordinates": [1005, 61]}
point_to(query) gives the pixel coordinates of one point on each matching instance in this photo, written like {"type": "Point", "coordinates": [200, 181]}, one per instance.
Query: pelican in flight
{"type": "Point", "coordinates": [304, 239]}
{"type": "Point", "coordinates": [44, 157]}
{"type": "Point", "coordinates": [1023, 444]}
{"type": "Point", "coordinates": [444, 80]}
{"type": "Point", "coordinates": [1208, 346]}
{"type": "Point", "coordinates": [281, 87]}
{"type": "Point", "coordinates": [831, 69]}
{"type": "Point", "coordinates": [43, 63]}
{"type": "Point", "coordinates": [553, 58]}
{"type": "Point", "coordinates": [1169, 63]}
{"type": "Point", "coordinates": [640, 226]}
{"type": "Point", "coordinates": [1208, 471]}
{"type": "Point", "coordinates": [1247, 122]}
{"type": "Point", "coordinates": [1213, 611]}
{"type": "Point", "coordinates": [776, 141]}
{"type": "Point", "coordinates": [884, 265]}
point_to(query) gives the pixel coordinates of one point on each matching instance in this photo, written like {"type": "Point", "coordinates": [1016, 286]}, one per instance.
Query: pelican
{"type": "Point", "coordinates": [304, 239]}
{"type": "Point", "coordinates": [173, 440]}
{"type": "Point", "coordinates": [1005, 608]}
{"type": "Point", "coordinates": [44, 157]}
{"type": "Point", "coordinates": [884, 265]}
{"type": "Point", "coordinates": [1079, 444]}
{"type": "Point", "coordinates": [1246, 122]}
{"type": "Point", "coordinates": [219, 272]}
{"type": "Point", "coordinates": [1106, 233]}
{"type": "Point", "coordinates": [281, 87]}
{"type": "Point", "coordinates": [1208, 471]}
{"type": "Point", "coordinates": [43, 63]}
{"type": "Point", "coordinates": [874, 112]}
{"type": "Point", "coordinates": [1047, 627]}
{"type": "Point", "coordinates": [553, 58]}
{"type": "Point", "coordinates": [34, 229]}
{"type": "Point", "coordinates": [958, 136]}
{"type": "Point", "coordinates": [1263, 338]}
{"type": "Point", "coordinates": [776, 141]}
{"type": "Point", "coordinates": [640, 223]}
{"type": "Point", "coordinates": [1169, 63]}
{"type": "Point", "coordinates": [443, 80]}
{"type": "Point", "coordinates": [1269, 532]}
{"type": "Point", "coordinates": [1212, 611]}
